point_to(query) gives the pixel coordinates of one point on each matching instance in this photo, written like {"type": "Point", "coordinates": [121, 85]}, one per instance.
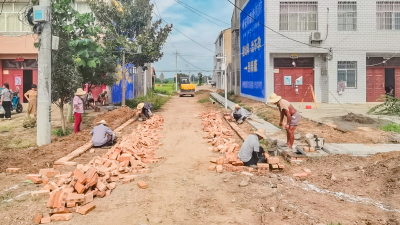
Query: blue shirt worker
{"type": "Point", "coordinates": [146, 108]}
{"type": "Point", "coordinates": [102, 135]}
{"type": "Point", "coordinates": [251, 153]}
{"type": "Point", "coordinates": [239, 114]}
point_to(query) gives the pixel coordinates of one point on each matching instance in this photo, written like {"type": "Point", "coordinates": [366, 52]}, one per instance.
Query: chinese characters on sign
{"type": "Point", "coordinates": [252, 41]}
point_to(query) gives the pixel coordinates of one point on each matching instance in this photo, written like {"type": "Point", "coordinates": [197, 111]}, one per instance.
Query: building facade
{"type": "Point", "coordinates": [222, 49]}
{"type": "Point", "coordinates": [344, 50]}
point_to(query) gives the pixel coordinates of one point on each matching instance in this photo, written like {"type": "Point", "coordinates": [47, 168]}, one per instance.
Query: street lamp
{"type": "Point", "coordinates": [223, 68]}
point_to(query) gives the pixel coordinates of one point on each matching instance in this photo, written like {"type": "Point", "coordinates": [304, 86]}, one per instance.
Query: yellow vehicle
{"type": "Point", "coordinates": [186, 87]}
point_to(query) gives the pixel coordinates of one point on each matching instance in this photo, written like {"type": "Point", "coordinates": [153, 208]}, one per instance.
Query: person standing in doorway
{"type": "Point", "coordinates": [78, 108]}
{"type": "Point", "coordinates": [31, 96]}
{"type": "Point", "coordinates": [6, 96]}
{"type": "Point", "coordinates": [292, 115]}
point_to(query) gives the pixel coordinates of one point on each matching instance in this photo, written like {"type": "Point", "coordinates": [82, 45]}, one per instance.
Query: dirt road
{"type": "Point", "coordinates": [180, 188]}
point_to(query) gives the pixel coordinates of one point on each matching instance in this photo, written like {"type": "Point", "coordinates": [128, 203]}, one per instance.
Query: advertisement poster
{"type": "Point", "coordinates": [252, 49]}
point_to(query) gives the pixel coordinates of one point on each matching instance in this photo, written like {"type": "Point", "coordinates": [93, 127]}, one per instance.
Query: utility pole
{"type": "Point", "coordinates": [176, 69]}
{"type": "Point", "coordinates": [123, 79]}
{"type": "Point", "coordinates": [226, 85]}
{"type": "Point", "coordinates": [44, 80]}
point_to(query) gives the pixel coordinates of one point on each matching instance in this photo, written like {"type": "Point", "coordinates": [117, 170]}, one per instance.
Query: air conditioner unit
{"type": "Point", "coordinates": [316, 37]}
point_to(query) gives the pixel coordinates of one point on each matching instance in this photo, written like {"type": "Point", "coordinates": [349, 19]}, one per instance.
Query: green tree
{"type": "Point", "coordinates": [200, 78]}
{"type": "Point", "coordinates": [128, 25]}
{"type": "Point", "coordinates": [80, 58]}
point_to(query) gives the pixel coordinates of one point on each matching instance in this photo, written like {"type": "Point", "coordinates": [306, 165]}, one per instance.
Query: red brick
{"type": "Point", "coordinates": [212, 167]}
{"type": "Point", "coordinates": [101, 194]}
{"type": "Point", "coordinates": [80, 176]}
{"type": "Point", "coordinates": [50, 202]}
{"type": "Point", "coordinates": [56, 200]}
{"type": "Point", "coordinates": [281, 166]}
{"type": "Point", "coordinates": [40, 193]}
{"type": "Point", "coordinates": [86, 209]}
{"type": "Point", "coordinates": [38, 217]}
{"type": "Point", "coordinates": [220, 161]}
{"type": "Point", "coordinates": [47, 187]}
{"type": "Point", "coordinates": [300, 174]}
{"type": "Point", "coordinates": [219, 169]}
{"type": "Point", "coordinates": [144, 171]}
{"type": "Point", "coordinates": [108, 192]}
{"type": "Point", "coordinates": [80, 188]}
{"type": "Point", "coordinates": [59, 210]}
{"type": "Point", "coordinates": [262, 165]}
{"type": "Point", "coordinates": [88, 198]}
{"type": "Point", "coordinates": [35, 178]}
{"type": "Point", "coordinates": [46, 218]}
{"type": "Point", "coordinates": [61, 181]}
{"type": "Point", "coordinates": [239, 163]}
{"type": "Point", "coordinates": [93, 181]}
{"type": "Point", "coordinates": [114, 179]}
{"type": "Point", "coordinates": [61, 217]}
{"type": "Point", "coordinates": [101, 186]}
{"type": "Point", "coordinates": [50, 173]}
{"type": "Point", "coordinates": [111, 185]}
{"type": "Point", "coordinates": [53, 186]}
{"type": "Point", "coordinates": [273, 160]}
{"type": "Point", "coordinates": [142, 185]}
{"type": "Point", "coordinates": [13, 170]}
{"type": "Point", "coordinates": [307, 171]}
{"type": "Point", "coordinates": [238, 168]}
{"type": "Point", "coordinates": [45, 179]}
{"type": "Point", "coordinates": [71, 204]}
{"type": "Point", "coordinates": [74, 197]}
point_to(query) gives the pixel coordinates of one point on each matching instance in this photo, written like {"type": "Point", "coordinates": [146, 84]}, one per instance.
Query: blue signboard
{"type": "Point", "coordinates": [252, 49]}
{"type": "Point", "coordinates": [117, 87]}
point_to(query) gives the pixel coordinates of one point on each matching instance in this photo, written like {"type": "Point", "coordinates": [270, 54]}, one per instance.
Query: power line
{"type": "Point", "coordinates": [194, 11]}
{"type": "Point", "coordinates": [384, 61]}
{"type": "Point", "coordinates": [181, 32]}
{"type": "Point", "coordinates": [276, 31]}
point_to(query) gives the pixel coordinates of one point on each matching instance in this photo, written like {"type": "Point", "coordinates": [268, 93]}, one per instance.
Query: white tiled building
{"type": "Point", "coordinates": [354, 42]}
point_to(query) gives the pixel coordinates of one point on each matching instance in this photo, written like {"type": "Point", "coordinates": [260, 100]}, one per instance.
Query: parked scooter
{"type": "Point", "coordinates": [16, 105]}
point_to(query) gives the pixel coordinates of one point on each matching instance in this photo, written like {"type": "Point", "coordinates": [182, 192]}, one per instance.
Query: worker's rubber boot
{"type": "Point", "coordinates": [240, 121]}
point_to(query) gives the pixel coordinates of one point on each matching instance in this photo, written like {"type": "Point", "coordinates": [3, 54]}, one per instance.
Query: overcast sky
{"type": "Point", "coordinates": [195, 27]}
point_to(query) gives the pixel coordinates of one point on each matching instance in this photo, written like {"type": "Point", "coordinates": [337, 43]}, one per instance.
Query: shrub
{"type": "Point", "coordinates": [391, 106]}
{"type": "Point", "coordinates": [59, 132]}
{"type": "Point", "coordinates": [392, 127]}
{"type": "Point", "coordinates": [151, 97]}
{"type": "Point", "coordinates": [204, 100]}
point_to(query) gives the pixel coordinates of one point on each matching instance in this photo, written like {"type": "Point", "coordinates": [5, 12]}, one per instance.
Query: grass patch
{"type": "Point", "coordinates": [392, 127]}
{"type": "Point", "coordinates": [6, 128]}
{"type": "Point", "coordinates": [60, 133]}
{"type": "Point", "coordinates": [151, 97]}
{"type": "Point", "coordinates": [204, 100]}
{"type": "Point", "coordinates": [18, 142]}
{"type": "Point", "coordinates": [6, 197]}
{"type": "Point", "coordinates": [166, 89]}
{"type": "Point", "coordinates": [263, 115]}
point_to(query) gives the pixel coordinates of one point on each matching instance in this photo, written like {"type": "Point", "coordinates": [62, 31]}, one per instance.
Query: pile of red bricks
{"type": "Point", "coordinates": [74, 191]}
{"type": "Point", "coordinates": [221, 138]}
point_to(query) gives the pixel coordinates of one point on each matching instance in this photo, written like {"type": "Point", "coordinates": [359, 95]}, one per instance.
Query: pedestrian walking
{"type": "Point", "coordinates": [6, 96]}
{"type": "Point", "coordinates": [78, 108]}
{"type": "Point", "coordinates": [31, 96]}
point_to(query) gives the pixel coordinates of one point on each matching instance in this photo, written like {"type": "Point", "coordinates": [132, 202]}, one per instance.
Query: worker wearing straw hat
{"type": "Point", "coordinates": [78, 108]}
{"type": "Point", "coordinates": [251, 152]}
{"type": "Point", "coordinates": [145, 108]}
{"type": "Point", "coordinates": [102, 135]}
{"type": "Point", "coordinates": [292, 115]}
{"type": "Point", "coordinates": [239, 114]}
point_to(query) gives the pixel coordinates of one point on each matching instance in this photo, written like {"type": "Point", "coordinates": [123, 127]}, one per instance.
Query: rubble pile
{"type": "Point", "coordinates": [74, 191]}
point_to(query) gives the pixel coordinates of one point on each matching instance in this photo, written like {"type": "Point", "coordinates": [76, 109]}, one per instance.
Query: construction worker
{"type": "Point", "coordinates": [239, 114]}
{"type": "Point", "coordinates": [292, 115]}
{"type": "Point", "coordinates": [251, 152]}
{"type": "Point", "coordinates": [146, 108]}
{"type": "Point", "coordinates": [102, 135]}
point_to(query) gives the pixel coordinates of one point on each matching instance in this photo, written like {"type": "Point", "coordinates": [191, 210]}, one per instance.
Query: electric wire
{"type": "Point", "coordinates": [384, 61]}
{"type": "Point", "coordinates": [292, 39]}
{"type": "Point", "coordinates": [189, 8]}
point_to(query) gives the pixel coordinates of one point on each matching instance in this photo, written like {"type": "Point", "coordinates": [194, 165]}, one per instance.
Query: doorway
{"type": "Point", "coordinates": [27, 82]}
{"type": "Point", "coordinates": [389, 79]}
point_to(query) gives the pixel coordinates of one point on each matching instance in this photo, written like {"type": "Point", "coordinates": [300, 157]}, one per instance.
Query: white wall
{"type": "Point", "coordinates": [346, 46]}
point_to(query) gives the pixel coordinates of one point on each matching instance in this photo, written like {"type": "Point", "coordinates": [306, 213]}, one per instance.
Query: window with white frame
{"type": "Point", "coordinates": [11, 18]}
{"type": "Point", "coordinates": [347, 71]}
{"type": "Point", "coordinates": [298, 16]}
{"type": "Point", "coordinates": [347, 15]}
{"type": "Point", "coordinates": [388, 15]}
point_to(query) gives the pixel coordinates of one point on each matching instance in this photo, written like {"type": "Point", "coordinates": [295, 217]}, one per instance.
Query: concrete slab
{"type": "Point", "coordinates": [361, 149]}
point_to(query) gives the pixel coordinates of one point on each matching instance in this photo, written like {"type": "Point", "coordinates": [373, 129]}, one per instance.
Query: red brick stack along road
{"type": "Point", "coordinates": [222, 139]}
{"type": "Point", "coordinates": [74, 191]}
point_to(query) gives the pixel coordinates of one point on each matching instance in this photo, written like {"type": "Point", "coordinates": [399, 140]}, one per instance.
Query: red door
{"type": "Point", "coordinates": [293, 83]}
{"type": "Point", "coordinates": [397, 82]}
{"type": "Point", "coordinates": [375, 84]}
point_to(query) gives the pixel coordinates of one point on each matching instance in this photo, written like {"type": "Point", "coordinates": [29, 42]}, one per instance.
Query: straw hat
{"type": "Point", "coordinates": [102, 122]}
{"type": "Point", "coordinates": [237, 106]}
{"type": "Point", "coordinates": [273, 98]}
{"type": "Point", "coordinates": [80, 92]}
{"type": "Point", "coordinates": [140, 105]}
{"type": "Point", "coordinates": [261, 133]}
